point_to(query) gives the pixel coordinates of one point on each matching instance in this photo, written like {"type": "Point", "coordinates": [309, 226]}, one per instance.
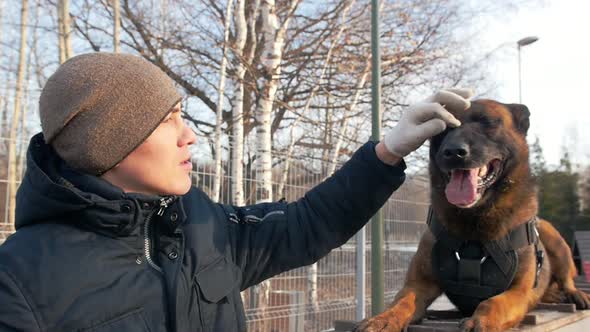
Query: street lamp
{"type": "Point", "coordinates": [521, 43]}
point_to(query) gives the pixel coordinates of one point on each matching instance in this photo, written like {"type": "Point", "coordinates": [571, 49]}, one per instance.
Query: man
{"type": "Point", "coordinates": [112, 237]}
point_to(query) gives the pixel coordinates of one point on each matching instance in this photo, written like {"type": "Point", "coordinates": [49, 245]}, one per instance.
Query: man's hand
{"type": "Point", "coordinates": [420, 122]}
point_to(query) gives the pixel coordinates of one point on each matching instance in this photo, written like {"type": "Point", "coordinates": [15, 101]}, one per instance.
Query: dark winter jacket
{"type": "Point", "coordinates": [88, 257]}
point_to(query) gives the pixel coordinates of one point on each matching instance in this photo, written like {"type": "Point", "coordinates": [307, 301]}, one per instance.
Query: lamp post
{"type": "Point", "coordinates": [521, 43]}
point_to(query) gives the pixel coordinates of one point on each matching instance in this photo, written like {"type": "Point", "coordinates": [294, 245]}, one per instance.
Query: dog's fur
{"type": "Point", "coordinates": [494, 135]}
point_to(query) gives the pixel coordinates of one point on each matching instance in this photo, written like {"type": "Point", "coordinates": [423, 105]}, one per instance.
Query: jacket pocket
{"type": "Point", "coordinates": [132, 321]}
{"type": "Point", "coordinates": [214, 286]}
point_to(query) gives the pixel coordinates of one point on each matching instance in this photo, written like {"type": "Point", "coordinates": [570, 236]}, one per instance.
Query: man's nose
{"type": "Point", "coordinates": [188, 136]}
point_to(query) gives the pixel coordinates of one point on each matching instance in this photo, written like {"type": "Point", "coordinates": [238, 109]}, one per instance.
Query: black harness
{"type": "Point", "coordinates": [473, 271]}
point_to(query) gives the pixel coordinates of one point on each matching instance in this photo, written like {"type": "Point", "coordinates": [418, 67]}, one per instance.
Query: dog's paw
{"type": "Point", "coordinates": [478, 324]}
{"type": "Point", "coordinates": [579, 298]}
{"type": "Point", "coordinates": [378, 324]}
{"type": "Point", "coordinates": [553, 296]}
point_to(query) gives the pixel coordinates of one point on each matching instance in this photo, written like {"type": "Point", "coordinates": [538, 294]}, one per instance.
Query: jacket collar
{"type": "Point", "coordinates": [52, 191]}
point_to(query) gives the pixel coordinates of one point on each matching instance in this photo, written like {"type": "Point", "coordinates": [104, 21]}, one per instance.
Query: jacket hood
{"type": "Point", "coordinates": [53, 191]}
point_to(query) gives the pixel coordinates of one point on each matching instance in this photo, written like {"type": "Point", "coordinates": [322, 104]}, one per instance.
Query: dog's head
{"type": "Point", "coordinates": [487, 151]}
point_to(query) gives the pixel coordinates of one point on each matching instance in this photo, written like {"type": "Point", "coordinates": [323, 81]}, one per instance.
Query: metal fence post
{"type": "Point", "coordinates": [377, 296]}
{"type": "Point", "coordinates": [360, 274]}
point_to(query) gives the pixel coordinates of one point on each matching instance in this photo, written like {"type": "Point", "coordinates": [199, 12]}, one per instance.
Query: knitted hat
{"type": "Point", "coordinates": [98, 107]}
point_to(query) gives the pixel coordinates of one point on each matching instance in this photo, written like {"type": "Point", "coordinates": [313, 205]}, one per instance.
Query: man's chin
{"type": "Point", "coordinates": [179, 188]}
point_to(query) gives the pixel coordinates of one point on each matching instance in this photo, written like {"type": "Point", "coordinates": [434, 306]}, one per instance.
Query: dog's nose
{"type": "Point", "coordinates": [456, 151]}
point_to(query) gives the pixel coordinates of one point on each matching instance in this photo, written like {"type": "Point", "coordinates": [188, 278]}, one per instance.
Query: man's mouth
{"type": "Point", "coordinates": [466, 186]}
{"type": "Point", "coordinates": [187, 164]}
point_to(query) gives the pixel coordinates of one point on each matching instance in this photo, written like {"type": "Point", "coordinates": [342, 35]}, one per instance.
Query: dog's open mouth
{"type": "Point", "coordinates": [466, 186]}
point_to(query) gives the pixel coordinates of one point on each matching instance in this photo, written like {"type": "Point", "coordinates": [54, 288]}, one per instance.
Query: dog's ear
{"type": "Point", "coordinates": [520, 115]}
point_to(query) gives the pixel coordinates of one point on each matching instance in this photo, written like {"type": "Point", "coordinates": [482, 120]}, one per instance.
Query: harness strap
{"type": "Point", "coordinates": [441, 234]}
{"type": "Point", "coordinates": [497, 250]}
{"type": "Point", "coordinates": [470, 289]}
{"type": "Point", "coordinates": [522, 236]}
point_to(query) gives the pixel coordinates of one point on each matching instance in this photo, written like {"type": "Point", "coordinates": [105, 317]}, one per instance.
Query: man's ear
{"type": "Point", "coordinates": [520, 115]}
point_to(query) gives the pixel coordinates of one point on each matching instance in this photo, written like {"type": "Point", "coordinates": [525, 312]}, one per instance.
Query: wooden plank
{"type": "Point", "coordinates": [530, 319]}
{"type": "Point", "coordinates": [578, 326]}
{"type": "Point", "coordinates": [560, 307]}
{"type": "Point", "coordinates": [560, 319]}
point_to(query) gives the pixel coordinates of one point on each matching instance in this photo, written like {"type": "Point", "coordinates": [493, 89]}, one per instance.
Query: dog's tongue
{"type": "Point", "coordinates": [462, 188]}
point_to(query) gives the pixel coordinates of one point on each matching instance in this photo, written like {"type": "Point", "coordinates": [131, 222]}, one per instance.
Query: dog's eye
{"type": "Point", "coordinates": [491, 123]}
{"type": "Point", "coordinates": [487, 122]}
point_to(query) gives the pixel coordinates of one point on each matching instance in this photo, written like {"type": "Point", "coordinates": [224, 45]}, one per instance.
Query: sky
{"type": "Point", "coordinates": [555, 72]}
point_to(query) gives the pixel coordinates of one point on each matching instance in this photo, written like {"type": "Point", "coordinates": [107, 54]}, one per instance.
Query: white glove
{"type": "Point", "coordinates": [423, 120]}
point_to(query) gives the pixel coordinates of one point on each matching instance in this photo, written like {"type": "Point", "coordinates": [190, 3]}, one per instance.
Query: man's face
{"type": "Point", "coordinates": [161, 164]}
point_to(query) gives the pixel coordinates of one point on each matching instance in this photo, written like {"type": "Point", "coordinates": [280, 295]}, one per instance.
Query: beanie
{"type": "Point", "coordinates": [98, 107]}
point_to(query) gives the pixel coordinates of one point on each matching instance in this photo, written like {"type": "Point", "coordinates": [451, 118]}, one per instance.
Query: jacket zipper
{"type": "Point", "coordinates": [164, 202]}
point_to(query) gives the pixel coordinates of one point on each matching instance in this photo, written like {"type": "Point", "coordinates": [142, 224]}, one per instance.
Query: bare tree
{"type": "Point", "coordinates": [60, 34]}
{"type": "Point", "coordinates": [237, 123]}
{"type": "Point", "coordinates": [3, 99]}
{"type": "Point", "coordinates": [273, 42]}
{"type": "Point", "coordinates": [116, 25]}
{"type": "Point", "coordinates": [64, 28]}
{"type": "Point", "coordinates": [17, 112]}
{"type": "Point", "coordinates": [312, 94]}
{"type": "Point", "coordinates": [344, 123]}
{"type": "Point", "coordinates": [219, 113]}
{"type": "Point", "coordinates": [420, 54]}
{"type": "Point", "coordinates": [25, 109]}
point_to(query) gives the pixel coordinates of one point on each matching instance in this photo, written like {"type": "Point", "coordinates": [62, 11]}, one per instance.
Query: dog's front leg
{"type": "Point", "coordinates": [410, 303]}
{"type": "Point", "coordinates": [507, 309]}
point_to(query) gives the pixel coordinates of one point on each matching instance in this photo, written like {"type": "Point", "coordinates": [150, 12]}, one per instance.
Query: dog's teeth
{"type": "Point", "coordinates": [483, 171]}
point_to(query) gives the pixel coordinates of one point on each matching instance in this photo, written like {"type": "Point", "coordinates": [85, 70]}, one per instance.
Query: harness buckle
{"type": "Point", "coordinates": [483, 259]}
{"type": "Point", "coordinates": [540, 255]}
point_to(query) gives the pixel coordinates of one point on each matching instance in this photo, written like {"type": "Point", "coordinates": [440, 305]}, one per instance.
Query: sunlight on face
{"type": "Point", "coordinates": [161, 164]}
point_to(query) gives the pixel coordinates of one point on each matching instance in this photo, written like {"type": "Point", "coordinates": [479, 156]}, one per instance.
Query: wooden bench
{"type": "Point", "coordinates": [545, 317]}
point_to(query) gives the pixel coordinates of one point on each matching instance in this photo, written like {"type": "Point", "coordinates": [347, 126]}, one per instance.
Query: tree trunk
{"type": "Point", "coordinates": [219, 113]}
{"type": "Point", "coordinates": [328, 125]}
{"type": "Point", "coordinates": [16, 114]}
{"type": "Point", "coordinates": [274, 40]}
{"type": "Point", "coordinates": [23, 125]}
{"type": "Point", "coordinates": [116, 26]}
{"type": "Point", "coordinates": [249, 96]}
{"type": "Point", "coordinates": [60, 34]}
{"type": "Point", "coordinates": [237, 163]}
{"type": "Point", "coordinates": [67, 29]}
{"type": "Point", "coordinates": [64, 30]}
{"type": "Point", "coordinates": [4, 95]}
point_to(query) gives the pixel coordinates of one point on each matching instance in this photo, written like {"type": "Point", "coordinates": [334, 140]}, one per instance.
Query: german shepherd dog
{"type": "Point", "coordinates": [485, 247]}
